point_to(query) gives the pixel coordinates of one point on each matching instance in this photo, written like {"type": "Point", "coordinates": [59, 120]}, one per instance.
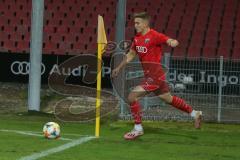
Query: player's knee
{"type": "Point", "coordinates": [166, 98]}
{"type": "Point", "coordinates": [131, 98]}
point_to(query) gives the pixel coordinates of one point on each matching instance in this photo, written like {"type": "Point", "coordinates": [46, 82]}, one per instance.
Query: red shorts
{"type": "Point", "coordinates": [157, 85]}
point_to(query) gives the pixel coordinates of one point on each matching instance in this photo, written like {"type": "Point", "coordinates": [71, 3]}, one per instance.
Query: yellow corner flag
{"type": "Point", "coordinates": [102, 42]}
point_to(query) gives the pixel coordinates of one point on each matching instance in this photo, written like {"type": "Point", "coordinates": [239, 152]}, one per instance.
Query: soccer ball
{"type": "Point", "coordinates": [51, 130]}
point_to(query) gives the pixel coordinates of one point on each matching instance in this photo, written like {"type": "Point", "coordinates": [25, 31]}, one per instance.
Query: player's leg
{"type": "Point", "coordinates": [135, 108]}
{"type": "Point", "coordinates": [164, 93]}
{"type": "Point", "coordinates": [179, 103]}
{"type": "Point", "coordinates": [176, 102]}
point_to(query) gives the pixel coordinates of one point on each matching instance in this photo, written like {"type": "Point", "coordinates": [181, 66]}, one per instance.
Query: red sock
{"type": "Point", "coordinates": [136, 112]}
{"type": "Point", "coordinates": [181, 104]}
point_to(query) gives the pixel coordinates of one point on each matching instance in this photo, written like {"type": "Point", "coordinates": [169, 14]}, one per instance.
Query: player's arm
{"type": "Point", "coordinates": [161, 38]}
{"type": "Point", "coordinates": [128, 58]}
{"type": "Point", "coordinates": [172, 42]}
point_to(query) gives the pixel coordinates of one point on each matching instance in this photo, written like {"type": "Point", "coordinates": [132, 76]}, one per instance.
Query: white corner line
{"type": "Point", "coordinates": [57, 149]}
{"type": "Point", "coordinates": [31, 134]}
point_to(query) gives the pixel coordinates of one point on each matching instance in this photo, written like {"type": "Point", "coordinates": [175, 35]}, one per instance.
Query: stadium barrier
{"type": "Point", "coordinates": [210, 85]}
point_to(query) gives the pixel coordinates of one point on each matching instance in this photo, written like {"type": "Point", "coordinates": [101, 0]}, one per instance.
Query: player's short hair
{"type": "Point", "coordinates": [143, 15]}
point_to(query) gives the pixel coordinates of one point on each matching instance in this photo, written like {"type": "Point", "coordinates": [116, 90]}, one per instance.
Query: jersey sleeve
{"type": "Point", "coordinates": [161, 38]}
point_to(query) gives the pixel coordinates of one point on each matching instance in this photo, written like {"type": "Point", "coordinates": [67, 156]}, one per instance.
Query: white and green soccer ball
{"type": "Point", "coordinates": [51, 130]}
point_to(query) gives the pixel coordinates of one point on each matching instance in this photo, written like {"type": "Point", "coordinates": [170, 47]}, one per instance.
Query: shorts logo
{"type": "Point", "coordinates": [149, 80]}
{"type": "Point", "coordinates": [141, 49]}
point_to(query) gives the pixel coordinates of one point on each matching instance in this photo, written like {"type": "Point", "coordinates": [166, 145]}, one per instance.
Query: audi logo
{"type": "Point", "coordinates": [23, 68]}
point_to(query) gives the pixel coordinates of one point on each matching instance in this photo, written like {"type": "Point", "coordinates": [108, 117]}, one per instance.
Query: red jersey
{"type": "Point", "coordinates": [149, 49]}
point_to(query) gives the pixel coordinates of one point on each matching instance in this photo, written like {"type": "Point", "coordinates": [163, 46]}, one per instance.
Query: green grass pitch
{"type": "Point", "coordinates": [162, 140]}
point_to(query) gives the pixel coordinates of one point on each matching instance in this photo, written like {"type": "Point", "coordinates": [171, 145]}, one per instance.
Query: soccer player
{"type": "Point", "coordinates": [147, 45]}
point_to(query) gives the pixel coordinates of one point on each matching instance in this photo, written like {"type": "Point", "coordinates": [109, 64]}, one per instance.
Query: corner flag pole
{"type": "Point", "coordinates": [102, 42]}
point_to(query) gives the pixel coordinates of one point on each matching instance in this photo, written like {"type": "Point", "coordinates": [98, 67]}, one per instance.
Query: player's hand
{"type": "Point", "coordinates": [172, 42]}
{"type": "Point", "coordinates": [115, 72]}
